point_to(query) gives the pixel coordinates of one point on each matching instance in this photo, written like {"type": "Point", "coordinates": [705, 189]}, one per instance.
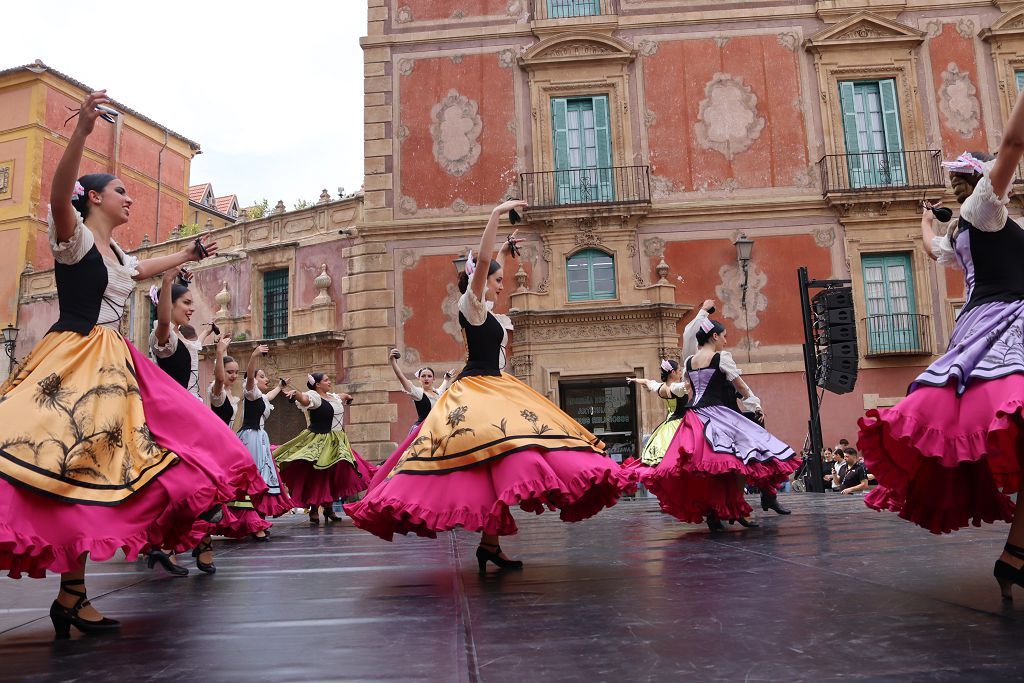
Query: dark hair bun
{"type": "Point", "coordinates": [716, 328]}
{"type": "Point", "coordinates": [92, 182]}
{"type": "Point", "coordinates": [463, 282]}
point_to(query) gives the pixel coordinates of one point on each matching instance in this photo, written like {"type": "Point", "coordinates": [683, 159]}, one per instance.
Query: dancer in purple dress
{"type": "Point", "coordinates": [949, 454]}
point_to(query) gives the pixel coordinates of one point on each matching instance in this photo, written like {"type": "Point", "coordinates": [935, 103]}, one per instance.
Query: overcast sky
{"type": "Point", "coordinates": [272, 91]}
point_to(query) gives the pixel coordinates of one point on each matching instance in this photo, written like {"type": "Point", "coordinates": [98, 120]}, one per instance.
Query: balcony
{"type": "Point", "coordinates": [896, 334]}
{"type": "Point", "coordinates": [880, 172]}
{"type": "Point", "coordinates": [573, 9]}
{"type": "Point", "coordinates": [587, 188]}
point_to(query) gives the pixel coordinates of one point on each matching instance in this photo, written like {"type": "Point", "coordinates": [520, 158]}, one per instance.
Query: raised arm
{"type": "Point", "coordinates": [219, 378]}
{"type": "Point", "coordinates": [1011, 149]}
{"type": "Point", "coordinates": [253, 365]}
{"type": "Point", "coordinates": [485, 251]}
{"type": "Point", "coordinates": [690, 331]}
{"type": "Point", "coordinates": [446, 382]}
{"type": "Point", "coordinates": [402, 379]}
{"type": "Point", "coordinates": [272, 394]}
{"type": "Point", "coordinates": [928, 235]}
{"type": "Point", "coordinates": [192, 252]}
{"type": "Point", "coordinates": [64, 178]}
{"type": "Point", "coordinates": [163, 308]}
{"type": "Point", "coordinates": [206, 335]}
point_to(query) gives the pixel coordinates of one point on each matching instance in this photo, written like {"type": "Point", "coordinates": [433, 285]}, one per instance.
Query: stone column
{"type": "Point", "coordinates": [369, 335]}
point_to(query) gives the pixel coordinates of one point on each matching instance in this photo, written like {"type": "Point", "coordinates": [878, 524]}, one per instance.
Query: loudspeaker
{"type": "Point", "coordinates": [835, 336]}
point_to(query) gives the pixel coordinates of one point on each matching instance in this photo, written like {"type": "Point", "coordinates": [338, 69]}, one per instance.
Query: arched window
{"type": "Point", "coordinates": [590, 275]}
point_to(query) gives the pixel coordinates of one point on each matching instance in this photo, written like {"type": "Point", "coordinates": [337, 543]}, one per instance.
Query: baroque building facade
{"type": "Point", "coordinates": [648, 136]}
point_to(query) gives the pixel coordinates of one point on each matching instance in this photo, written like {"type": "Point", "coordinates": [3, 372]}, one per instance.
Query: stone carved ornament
{"type": "Point", "coordinates": [729, 292]}
{"type": "Point", "coordinates": [450, 309]}
{"type": "Point", "coordinates": [455, 129]}
{"type": "Point", "coordinates": [728, 121]}
{"type": "Point", "coordinates": [958, 101]}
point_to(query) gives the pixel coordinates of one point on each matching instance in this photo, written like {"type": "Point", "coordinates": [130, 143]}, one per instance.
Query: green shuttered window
{"type": "Point", "coordinates": [590, 275]}
{"type": "Point", "coordinates": [892, 321]}
{"type": "Point", "coordinates": [275, 303]}
{"type": "Point", "coordinates": [582, 144]}
{"type": "Point", "coordinates": [872, 133]}
{"type": "Point", "coordinates": [558, 9]}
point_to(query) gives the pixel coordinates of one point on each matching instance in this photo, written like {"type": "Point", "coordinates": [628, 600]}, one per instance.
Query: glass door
{"type": "Point", "coordinates": [607, 408]}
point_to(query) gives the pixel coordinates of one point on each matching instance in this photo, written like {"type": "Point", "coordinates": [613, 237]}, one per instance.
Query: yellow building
{"type": "Point", "coordinates": [152, 160]}
{"type": "Point", "coordinates": [208, 211]}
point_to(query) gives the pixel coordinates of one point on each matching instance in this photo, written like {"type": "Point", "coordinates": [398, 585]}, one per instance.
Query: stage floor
{"type": "Point", "coordinates": [832, 591]}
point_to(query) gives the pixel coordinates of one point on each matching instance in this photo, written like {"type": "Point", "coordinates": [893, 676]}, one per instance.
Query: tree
{"type": "Point", "coordinates": [258, 210]}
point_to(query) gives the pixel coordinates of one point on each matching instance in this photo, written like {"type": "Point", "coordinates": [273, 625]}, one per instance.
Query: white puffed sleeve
{"type": "Point", "coordinates": [472, 308]}
{"type": "Point", "coordinates": [131, 263]}
{"type": "Point", "coordinates": [727, 365]}
{"type": "Point", "coordinates": [416, 393]}
{"type": "Point", "coordinates": [690, 333]}
{"type": "Point", "coordinates": [73, 250]}
{"type": "Point", "coordinates": [750, 404]}
{"type": "Point", "coordinates": [254, 394]}
{"type": "Point", "coordinates": [983, 209]}
{"type": "Point", "coordinates": [167, 349]}
{"type": "Point", "coordinates": [678, 389]}
{"type": "Point", "coordinates": [217, 400]}
{"type": "Point", "coordinates": [943, 251]}
{"type": "Point", "coordinates": [652, 385]}
{"type": "Point", "coordinates": [314, 401]}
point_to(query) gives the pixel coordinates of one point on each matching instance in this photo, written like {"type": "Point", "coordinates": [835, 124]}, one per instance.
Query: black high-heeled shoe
{"type": "Point", "coordinates": [64, 618]}
{"type": "Point", "coordinates": [1006, 574]}
{"type": "Point", "coordinates": [714, 522]}
{"type": "Point", "coordinates": [771, 502]}
{"type": "Point", "coordinates": [484, 556]}
{"type": "Point", "coordinates": [314, 517]}
{"type": "Point", "coordinates": [164, 560]}
{"type": "Point", "coordinates": [330, 515]}
{"type": "Point", "coordinates": [748, 523]}
{"type": "Point", "coordinates": [261, 539]}
{"type": "Point", "coordinates": [204, 547]}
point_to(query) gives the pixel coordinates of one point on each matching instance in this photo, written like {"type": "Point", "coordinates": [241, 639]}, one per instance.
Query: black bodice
{"type": "Point", "coordinates": [997, 257]}
{"type": "Point", "coordinates": [252, 413]}
{"type": "Point", "coordinates": [719, 391]}
{"type": "Point", "coordinates": [423, 407]}
{"type": "Point", "coordinates": [225, 411]}
{"type": "Point", "coordinates": [321, 417]}
{"type": "Point", "coordinates": [80, 289]}
{"type": "Point", "coordinates": [484, 345]}
{"type": "Point", "coordinates": [178, 365]}
{"type": "Point", "coordinates": [682, 405]}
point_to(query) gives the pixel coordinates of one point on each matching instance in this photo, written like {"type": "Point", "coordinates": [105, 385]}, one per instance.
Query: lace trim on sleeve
{"type": "Point", "coordinates": [678, 389]}
{"type": "Point", "coordinates": [166, 350]}
{"type": "Point", "coordinates": [416, 393]}
{"type": "Point", "coordinates": [254, 394]}
{"type": "Point", "coordinates": [474, 310]}
{"type": "Point", "coordinates": [942, 249]}
{"type": "Point", "coordinates": [314, 401]}
{"type": "Point", "coordinates": [74, 249]}
{"type": "Point", "coordinates": [217, 400]}
{"type": "Point", "coordinates": [750, 404]}
{"type": "Point", "coordinates": [727, 365]}
{"type": "Point", "coordinates": [983, 209]}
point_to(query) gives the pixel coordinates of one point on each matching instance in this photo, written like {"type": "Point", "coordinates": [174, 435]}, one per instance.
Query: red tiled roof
{"type": "Point", "coordinates": [224, 204]}
{"type": "Point", "coordinates": [197, 192]}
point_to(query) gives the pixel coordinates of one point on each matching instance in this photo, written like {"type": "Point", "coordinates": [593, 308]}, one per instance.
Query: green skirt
{"type": "Point", "coordinates": [323, 450]}
{"type": "Point", "coordinates": [661, 439]}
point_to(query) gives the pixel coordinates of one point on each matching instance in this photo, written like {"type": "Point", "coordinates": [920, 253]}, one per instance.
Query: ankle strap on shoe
{"type": "Point", "coordinates": [1014, 550]}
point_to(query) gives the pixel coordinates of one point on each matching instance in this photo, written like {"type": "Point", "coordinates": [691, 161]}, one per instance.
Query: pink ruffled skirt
{"type": "Point", "coordinates": [309, 486]}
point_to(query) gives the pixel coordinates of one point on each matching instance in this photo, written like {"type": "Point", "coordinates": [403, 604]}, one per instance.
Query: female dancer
{"type": "Point", "coordinates": [99, 423]}
{"type": "Point", "coordinates": [255, 411]}
{"type": "Point", "coordinates": [714, 450]}
{"type": "Point", "coordinates": [319, 466]}
{"type": "Point", "coordinates": [949, 453]}
{"type": "Point", "coordinates": [425, 395]}
{"type": "Point", "coordinates": [489, 442]}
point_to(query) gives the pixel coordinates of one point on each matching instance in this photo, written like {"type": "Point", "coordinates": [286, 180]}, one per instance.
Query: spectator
{"type": "Point", "coordinates": [852, 476]}
{"type": "Point", "coordinates": [826, 465]}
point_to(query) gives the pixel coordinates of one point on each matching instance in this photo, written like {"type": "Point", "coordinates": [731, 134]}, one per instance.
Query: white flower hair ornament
{"type": "Point", "coordinates": [154, 295]}
{"type": "Point", "coordinates": [311, 380]}
{"type": "Point", "coordinates": [470, 264]}
{"type": "Point", "coordinates": [965, 163]}
{"type": "Point", "coordinates": [78, 192]}
{"type": "Point", "coordinates": [418, 373]}
{"type": "Point", "coordinates": [707, 325]}
{"type": "Point", "coordinates": [666, 365]}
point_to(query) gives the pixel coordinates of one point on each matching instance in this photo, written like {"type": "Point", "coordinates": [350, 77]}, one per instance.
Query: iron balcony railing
{"type": "Point", "coordinates": [896, 334]}
{"type": "Point", "coordinates": [571, 9]}
{"type": "Point", "coordinates": [613, 185]}
{"type": "Point", "coordinates": [875, 171]}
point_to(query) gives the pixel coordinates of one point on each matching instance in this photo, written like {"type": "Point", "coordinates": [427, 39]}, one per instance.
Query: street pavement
{"type": "Point", "coordinates": [834, 591]}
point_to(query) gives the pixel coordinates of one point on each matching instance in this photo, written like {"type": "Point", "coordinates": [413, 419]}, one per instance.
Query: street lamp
{"type": "Point", "coordinates": [744, 252]}
{"type": "Point", "coordinates": [10, 342]}
{"type": "Point", "coordinates": [460, 264]}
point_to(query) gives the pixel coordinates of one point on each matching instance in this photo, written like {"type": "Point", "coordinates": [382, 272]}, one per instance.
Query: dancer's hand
{"type": "Point", "coordinates": [288, 393]}
{"type": "Point", "coordinates": [261, 349]}
{"type": "Point", "coordinates": [172, 274]}
{"type": "Point", "coordinates": [88, 114]}
{"type": "Point", "coordinates": [505, 207]}
{"type": "Point", "coordinates": [707, 305]}
{"type": "Point", "coordinates": [203, 243]}
{"type": "Point", "coordinates": [631, 380]}
{"type": "Point", "coordinates": [512, 241]}
{"type": "Point", "coordinates": [449, 374]}
{"type": "Point", "coordinates": [222, 345]}
{"type": "Point", "coordinates": [395, 354]}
